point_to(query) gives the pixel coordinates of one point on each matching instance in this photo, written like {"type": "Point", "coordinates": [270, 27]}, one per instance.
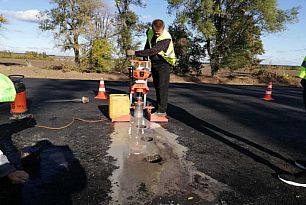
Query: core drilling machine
{"type": "Point", "coordinates": [139, 72]}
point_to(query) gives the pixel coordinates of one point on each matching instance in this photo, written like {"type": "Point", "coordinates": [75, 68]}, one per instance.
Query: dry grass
{"type": "Point", "coordinates": [66, 69]}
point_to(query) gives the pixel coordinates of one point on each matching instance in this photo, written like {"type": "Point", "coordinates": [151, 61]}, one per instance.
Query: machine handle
{"type": "Point", "coordinates": [137, 61]}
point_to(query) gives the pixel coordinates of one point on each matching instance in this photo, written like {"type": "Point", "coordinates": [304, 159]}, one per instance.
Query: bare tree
{"type": "Point", "coordinates": [128, 22]}
{"type": "Point", "coordinates": [104, 23]}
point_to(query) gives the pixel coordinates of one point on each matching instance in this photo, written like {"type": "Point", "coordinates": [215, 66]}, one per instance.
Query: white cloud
{"type": "Point", "coordinates": [26, 16]}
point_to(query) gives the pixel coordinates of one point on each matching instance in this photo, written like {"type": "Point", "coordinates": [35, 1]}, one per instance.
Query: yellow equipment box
{"type": "Point", "coordinates": [119, 106]}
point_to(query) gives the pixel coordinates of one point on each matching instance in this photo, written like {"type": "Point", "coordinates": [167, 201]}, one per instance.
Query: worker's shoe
{"type": "Point", "coordinates": [298, 179]}
{"type": "Point", "coordinates": [300, 164]}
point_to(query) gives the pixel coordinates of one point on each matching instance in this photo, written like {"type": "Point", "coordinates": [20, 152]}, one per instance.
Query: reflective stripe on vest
{"type": "Point", "coordinates": [7, 89]}
{"type": "Point", "coordinates": [302, 73]}
{"type": "Point", "coordinates": [169, 55]}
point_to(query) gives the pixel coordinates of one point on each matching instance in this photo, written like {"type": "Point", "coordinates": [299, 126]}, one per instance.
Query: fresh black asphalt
{"type": "Point", "coordinates": [232, 135]}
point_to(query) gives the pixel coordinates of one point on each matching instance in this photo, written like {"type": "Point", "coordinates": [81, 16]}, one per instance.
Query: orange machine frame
{"type": "Point", "coordinates": [140, 86]}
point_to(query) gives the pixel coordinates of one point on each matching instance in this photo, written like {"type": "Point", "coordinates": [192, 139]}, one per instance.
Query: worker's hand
{"type": "Point", "coordinates": [130, 52]}
{"type": "Point", "coordinates": [18, 177]}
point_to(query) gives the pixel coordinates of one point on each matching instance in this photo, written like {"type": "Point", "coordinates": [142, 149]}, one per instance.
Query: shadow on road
{"type": "Point", "coordinates": [9, 193]}
{"type": "Point", "coordinates": [55, 174]}
{"type": "Point", "coordinates": [212, 131]}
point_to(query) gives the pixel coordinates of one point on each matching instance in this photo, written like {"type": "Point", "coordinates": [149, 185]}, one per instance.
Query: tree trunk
{"type": "Point", "coordinates": [77, 56]}
{"type": "Point", "coordinates": [214, 61]}
{"type": "Point", "coordinates": [76, 49]}
{"type": "Point", "coordinates": [214, 64]}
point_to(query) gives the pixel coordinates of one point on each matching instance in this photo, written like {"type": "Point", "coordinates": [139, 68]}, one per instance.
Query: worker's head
{"type": "Point", "coordinates": [158, 26]}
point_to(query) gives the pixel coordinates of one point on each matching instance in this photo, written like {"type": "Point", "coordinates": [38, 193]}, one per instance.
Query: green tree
{"type": "Point", "coordinates": [128, 23]}
{"type": "Point", "coordinates": [98, 48]}
{"type": "Point", "coordinates": [232, 28]}
{"type": "Point", "coordinates": [99, 55]}
{"type": "Point", "coordinates": [69, 20]}
{"type": "Point", "coordinates": [189, 50]}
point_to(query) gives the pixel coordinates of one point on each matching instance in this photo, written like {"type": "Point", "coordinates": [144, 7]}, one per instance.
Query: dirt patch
{"type": "Point", "coordinates": [34, 72]}
{"type": "Point", "coordinates": [53, 70]}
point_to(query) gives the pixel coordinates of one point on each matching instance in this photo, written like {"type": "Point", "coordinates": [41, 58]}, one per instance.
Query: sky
{"type": "Point", "coordinates": [21, 33]}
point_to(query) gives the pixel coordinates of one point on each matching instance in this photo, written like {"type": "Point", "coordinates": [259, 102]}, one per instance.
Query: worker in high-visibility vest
{"type": "Point", "coordinates": [300, 178]}
{"type": "Point", "coordinates": [159, 47]}
{"type": "Point", "coordinates": [302, 75]}
{"type": "Point", "coordinates": [7, 89]}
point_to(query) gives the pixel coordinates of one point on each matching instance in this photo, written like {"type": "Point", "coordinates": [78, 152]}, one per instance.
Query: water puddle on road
{"type": "Point", "coordinates": [152, 168]}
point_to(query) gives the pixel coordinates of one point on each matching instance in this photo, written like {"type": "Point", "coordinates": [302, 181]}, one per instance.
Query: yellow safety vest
{"type": "Point", "coordinates": [302, 73]}
{"type": "Point", "coordinates": [7, 89]}
{"type": "Point", "coordinates": [169, 55]}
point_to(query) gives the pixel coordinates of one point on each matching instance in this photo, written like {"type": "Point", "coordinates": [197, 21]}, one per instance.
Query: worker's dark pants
{"type": "Point", "coordinates": [303, 83]}
{"type": "Point", "coordinates": [161, 78]}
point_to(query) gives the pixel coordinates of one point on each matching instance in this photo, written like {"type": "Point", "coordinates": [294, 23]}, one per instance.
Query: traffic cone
{"type": "Point", "coordinates": [268, 96]}
{"type": "Point", "coordinates": [102, 93]}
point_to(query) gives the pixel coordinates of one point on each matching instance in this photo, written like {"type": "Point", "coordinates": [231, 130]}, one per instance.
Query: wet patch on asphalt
{"type": "Point", "coordinates": [170, 180]}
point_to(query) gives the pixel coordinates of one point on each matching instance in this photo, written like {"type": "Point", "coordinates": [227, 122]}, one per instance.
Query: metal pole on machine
{"type": "Point", "coordinates": [131, 68]}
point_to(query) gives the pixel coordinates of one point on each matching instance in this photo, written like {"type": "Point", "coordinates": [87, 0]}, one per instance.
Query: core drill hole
{"type": "Point", "coordinates": [153, 158]}
{"type": "Point", "coordinates": [141, 126]}
{"type": "Point", "coordinates": [147, 139]}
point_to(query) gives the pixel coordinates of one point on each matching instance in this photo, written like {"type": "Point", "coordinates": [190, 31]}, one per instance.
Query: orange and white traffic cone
{"type": "Point", "coordinates": [102, 92]}
{"type": "Point", "coordinates": [268, 96]}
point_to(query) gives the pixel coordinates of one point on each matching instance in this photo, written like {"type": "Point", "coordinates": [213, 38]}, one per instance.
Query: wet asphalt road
{"type": "Point", "coordinates": [232, 135]}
